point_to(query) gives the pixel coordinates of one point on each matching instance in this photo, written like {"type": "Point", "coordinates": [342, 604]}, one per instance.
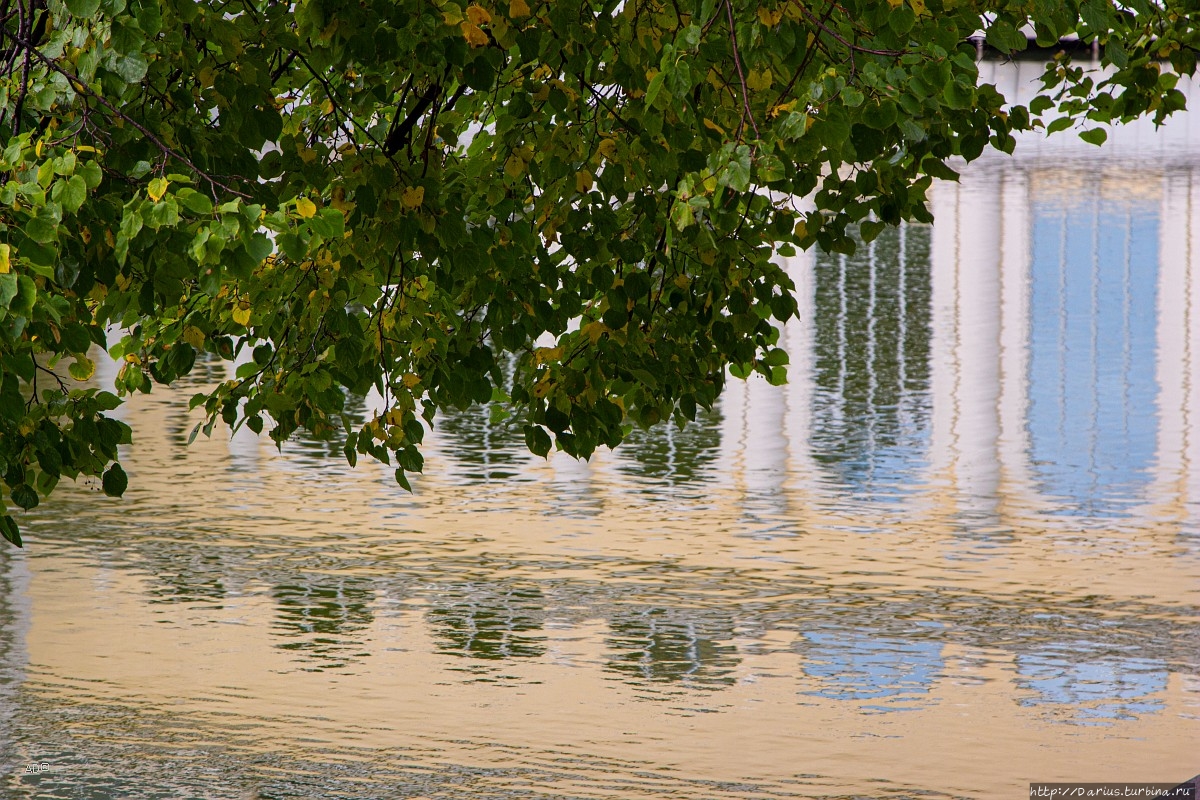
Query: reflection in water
{"type": "Point", "coordinates": [658, 645]}
{"type": "Point", "coordinates": [481, 623]}
{"type": "Point", "coordinates": [671, 455]}
{"type": "Point", "coordinates": [1093, 284]}
{"type": "Point", "coordinates": [1093, 691]}
{"type": "Point", "coordinates": [976, 502]}
{"type": "Point", "coordinates": [872, 361]}
{"type": "Point", "coordinates": [856, 667]}
{"type": "Point", "coordinates": [320, 619]}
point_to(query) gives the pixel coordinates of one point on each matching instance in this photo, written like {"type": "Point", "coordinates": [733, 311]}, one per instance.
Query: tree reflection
{"type": "Point", "coordinates": [320, 619]}
{"type": "Point", "coordinates": [480, 622]}
{"type": "Point", "coordinates": [872, 350]}
{"type": "Point", "coordinates": [670, 645]}
{"type": "Point", "coordinates": [672, 455]}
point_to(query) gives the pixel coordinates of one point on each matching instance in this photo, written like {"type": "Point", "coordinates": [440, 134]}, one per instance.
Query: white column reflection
{"type": "Point", "coordinates": [1042, 365]}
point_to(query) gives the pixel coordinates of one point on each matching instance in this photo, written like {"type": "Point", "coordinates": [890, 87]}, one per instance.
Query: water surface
{"type": "Point", "coordinates": [959, 552]}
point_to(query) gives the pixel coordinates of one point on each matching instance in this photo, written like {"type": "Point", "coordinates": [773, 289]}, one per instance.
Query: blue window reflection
{"type": "Point", "coordinates": [1094, 691]}
{"type": "Point", "coordinates": [1092, 386]}
{"type": "Point", "coordinates": [855, 667]}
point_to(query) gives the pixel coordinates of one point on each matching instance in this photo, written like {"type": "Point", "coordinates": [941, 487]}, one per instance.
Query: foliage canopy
{"type": "Point", "coordinates": [571, 205]}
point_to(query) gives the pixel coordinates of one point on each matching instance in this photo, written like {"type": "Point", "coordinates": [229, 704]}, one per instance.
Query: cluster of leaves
{"type": "Point", "coordinates": [402, 196]}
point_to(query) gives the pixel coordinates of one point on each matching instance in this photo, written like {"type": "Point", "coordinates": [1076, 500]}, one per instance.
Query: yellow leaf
{"type": "Point", "coordinates": [82, 369]}
{"type": "Point", "coordinates": [782, 108]}
{"type": "Point", "coordinates": [5, 263]}
{"type": "Point", "coordinates": [583, 181]}
{"type": "Point", "coordinates": [157, 188]}
{"type": "Point", "coordinates": [918, 7]}
{"type": "Point", "coordinates": [769, 17]}
{"type": "Point", "coordinates": [518, 8]}
{"type": "Point", "coordinates": [594, 330]}
{"type": "Point", "coordinates": [86, 235]}
{"type": "Point", "coordinates": [37, 150]}
{"type": "Point", "coordinates": [410, 380]}
{"type": "Point", "coordinates": [514, 166]}
{"type": "Point", "coordinates": [413, 196]}
{"type": "Point", "coordinates": [759, 80]}
{"type": "Point", "coordinates": [543, 355]}
{"type": "Point", "coordinates": [241, 315]}
{"type": "Point", "coordinates": [306, 208]}
{"type": "Point", "coordinates": [712, 126]}
{"type": "Point", "coordinates": [327, 106]}
{"type": "Point", "coordinates": [474, 36]}
{"type": "Point", "coordinates": [478, 14]}
{"type": "Point", "coordinates": [338, 200]}
{"type": "Point", "coordinates": [85, 148]}
{"type": "Point", "coordinates": [193, 336]}
{"type": "Point", "coordinates": [607, 148]}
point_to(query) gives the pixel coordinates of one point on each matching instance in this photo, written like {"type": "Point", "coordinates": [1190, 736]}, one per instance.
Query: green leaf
{"type": "Point", "coordinates": [870, 229]}
{"type": "Point", "coordinates": [72, 193]}
{"type": "Point", "coordinates": [259, 247]}
{"type": "Point", "coordinates": [402, 480]}
{"type": "Point", "coordinates": [10, 531]}
{"type": "Point", "coordinates": [25, 496]}
{"type": "Point", "coordinates": [115, 481]}
{"type": "Point", "coordinates": [1060, 124]}
{"type": "Point", "coordinates": [537, 440]}
{"type": "Point", "coordinates": [41, 230]}
{"type": "Point", "coordinates": [653, 89]}
{"type": "Point", "coordinates": [83, 8]}
{"type": "Point", "coordinates": [91, 173]}
{"type": "Point", "coordinates": [938, 169]}
{"type": "Point", "coordinates": [8, 288]}
{"type": "Point", "coordinates": [328, 224]}
{"type": "Point", "coordinates": [194, 201]}
{"type": "Point", "coordinates": [1096, 136]}
{"type": "Point", "coordinates": [736, 174]}
{"type": "Point", "coordinates": [82, 368]}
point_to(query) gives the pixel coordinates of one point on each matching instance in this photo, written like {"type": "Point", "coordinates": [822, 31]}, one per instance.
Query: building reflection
{"type": "Point", "coordinates": [1092, 691]}
{"type": "Point", "coordinates": [890, 672]}
{"type": "Point", "coordinates": [1034, 352]}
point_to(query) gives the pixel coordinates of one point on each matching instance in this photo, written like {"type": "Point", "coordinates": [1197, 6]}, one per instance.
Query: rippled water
{"type": "Point", "coordinates": [959, 552]}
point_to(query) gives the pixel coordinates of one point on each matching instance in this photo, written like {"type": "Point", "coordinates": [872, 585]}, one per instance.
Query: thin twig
{"type": "Point", "coordinates": [845, 43]}
{"type": "Point", "coordinates": [737, 60]}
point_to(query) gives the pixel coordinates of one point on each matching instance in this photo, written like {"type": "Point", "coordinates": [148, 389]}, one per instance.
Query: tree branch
{"type": "Point", "coordinates": [399, 137]}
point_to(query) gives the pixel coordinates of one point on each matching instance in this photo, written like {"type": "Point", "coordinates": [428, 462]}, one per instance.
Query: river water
{"type": "Point", "coordinates": [957, 553]}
